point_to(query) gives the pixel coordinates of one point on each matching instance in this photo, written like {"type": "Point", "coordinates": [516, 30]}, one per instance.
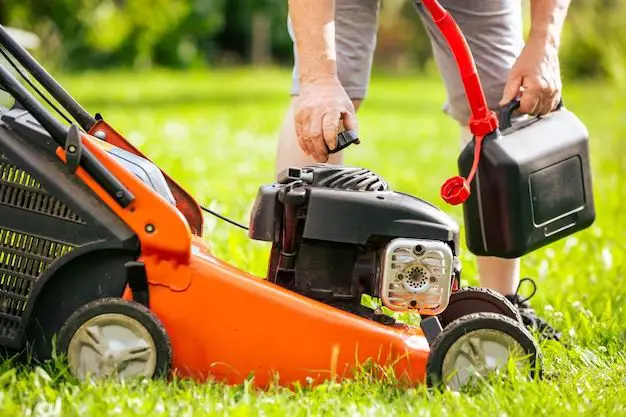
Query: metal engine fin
{"type": "Point", "coordinates": [346, 178]}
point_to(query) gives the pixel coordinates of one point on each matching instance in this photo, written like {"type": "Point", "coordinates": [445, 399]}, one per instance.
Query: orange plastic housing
{"type": "Point", "coordinates": [227, 324]}
{"type": "Point", "coordinates": [184, 202]}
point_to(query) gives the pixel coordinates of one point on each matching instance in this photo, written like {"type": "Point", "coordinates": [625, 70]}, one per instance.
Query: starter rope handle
{"type": "Point", "coordinates": [482, 121]}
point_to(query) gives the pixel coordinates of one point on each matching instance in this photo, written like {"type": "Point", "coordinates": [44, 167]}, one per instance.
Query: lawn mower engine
{"type": "Point", "coordinates": [340, 232]}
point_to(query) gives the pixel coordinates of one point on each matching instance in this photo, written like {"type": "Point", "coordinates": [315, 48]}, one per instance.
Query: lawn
{"type": "Point", "coordinates": [215, 132]}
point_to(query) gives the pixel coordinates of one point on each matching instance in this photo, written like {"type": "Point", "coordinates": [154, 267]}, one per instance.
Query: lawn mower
{"type": "Point", "coordinates": [103, 260]}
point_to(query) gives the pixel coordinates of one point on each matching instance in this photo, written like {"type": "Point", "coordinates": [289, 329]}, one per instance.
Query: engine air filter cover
{"type": "Point", "coordinates": [417, 275]}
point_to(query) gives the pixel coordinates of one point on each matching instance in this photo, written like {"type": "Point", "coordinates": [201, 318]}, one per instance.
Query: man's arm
{"type": "Point", "coordinates": [314, 28]}
{"type": "Point", "coordinates": [547, 19]}
{"type": "Point", "coordinates": [537, 69]}
{"type": "Point", "coordinates": [322, 103]}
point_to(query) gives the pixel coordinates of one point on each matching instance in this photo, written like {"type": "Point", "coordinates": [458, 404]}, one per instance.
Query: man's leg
{"type": "Point", "coordinates": [356, 24]}
{"type": "Point", "coordinates": [493, 29]}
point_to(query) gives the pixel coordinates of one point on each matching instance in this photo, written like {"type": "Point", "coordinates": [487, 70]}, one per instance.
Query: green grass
{"type": "Point", "coordinates": [215, 132]}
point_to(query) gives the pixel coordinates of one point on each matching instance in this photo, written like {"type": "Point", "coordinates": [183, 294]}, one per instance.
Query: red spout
{"type": "Point", "coordinates": [482, 121]}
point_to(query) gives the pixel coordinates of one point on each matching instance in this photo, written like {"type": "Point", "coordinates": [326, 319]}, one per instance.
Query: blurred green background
{"type": "Point", "coordinates": [139, 34]}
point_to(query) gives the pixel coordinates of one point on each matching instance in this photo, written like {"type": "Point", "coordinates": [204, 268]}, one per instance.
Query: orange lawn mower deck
{"type": "Point", "coordinates": [102, 259]}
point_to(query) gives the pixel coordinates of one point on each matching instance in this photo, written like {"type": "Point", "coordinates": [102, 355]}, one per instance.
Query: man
{"type": "Point", "coordinates": [334, 42]}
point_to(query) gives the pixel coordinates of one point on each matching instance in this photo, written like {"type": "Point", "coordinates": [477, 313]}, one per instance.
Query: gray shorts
{"type": "Point", "coordinates": [493, 29]}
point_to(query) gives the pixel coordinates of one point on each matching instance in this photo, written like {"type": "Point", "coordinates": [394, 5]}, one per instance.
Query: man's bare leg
{"type": "Point", "coordinates": [501, 275]}
{"type": "Point", "coordinates": [289, 152]}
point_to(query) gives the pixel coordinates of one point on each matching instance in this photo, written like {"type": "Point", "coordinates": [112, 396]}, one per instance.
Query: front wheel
{"type": "Point", "coordinates": [477, 345]}
{"type": "Point", "coordinates": [112, 337]}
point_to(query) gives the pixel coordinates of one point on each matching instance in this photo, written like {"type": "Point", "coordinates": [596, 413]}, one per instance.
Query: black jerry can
{"type": "Point", "coordinates": [532, 187]}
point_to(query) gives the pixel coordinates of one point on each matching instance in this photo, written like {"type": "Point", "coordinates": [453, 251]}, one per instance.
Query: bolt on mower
{"type": "Point", "coordinates": [103, 260]}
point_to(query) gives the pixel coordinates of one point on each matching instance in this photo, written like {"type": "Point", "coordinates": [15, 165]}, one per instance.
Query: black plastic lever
{"type": "Point", "coordinates": [345, 139]}
{"type": "Point", "coordinates": [59, 133]}
{"type": "Point", "coordinates": [73, 149]}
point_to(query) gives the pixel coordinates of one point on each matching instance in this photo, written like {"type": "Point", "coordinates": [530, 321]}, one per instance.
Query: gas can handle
{"type": "Point", "coordinates": [505, 113]}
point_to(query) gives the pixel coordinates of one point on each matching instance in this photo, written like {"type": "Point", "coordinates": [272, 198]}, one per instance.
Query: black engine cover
{"type": "Point", "coordinates": [347, 205]}
{"type": "Point", "coordinates": [329, 226]}
{"type": "Point", "coordinates": [358, 217]}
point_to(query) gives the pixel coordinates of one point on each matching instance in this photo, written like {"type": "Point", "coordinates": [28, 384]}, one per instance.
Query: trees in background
{"type": "Point", "coordinates": [78, 34]}
{"type": "Point", "coordinates": [594, 42]}
{"type": "Point", "coordinates": [137, 33]}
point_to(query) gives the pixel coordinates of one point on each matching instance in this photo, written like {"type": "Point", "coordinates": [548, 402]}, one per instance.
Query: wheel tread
{"type": "Point", "coordinates": [481, 295]}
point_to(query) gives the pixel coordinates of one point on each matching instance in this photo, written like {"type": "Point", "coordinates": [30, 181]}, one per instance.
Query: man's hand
{"type": "Point", "coordinates": [320, 109]}
{"type": "Point", "coordinates": [322, 104]}
{"type": "Point", "coordinates": [537, 76]}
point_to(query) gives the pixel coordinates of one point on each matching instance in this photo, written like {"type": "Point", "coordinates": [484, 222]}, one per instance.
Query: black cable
{"type": "Point", "coordinates": [224, 218]}
{"type": "Point", "coordinates": [33, 86]}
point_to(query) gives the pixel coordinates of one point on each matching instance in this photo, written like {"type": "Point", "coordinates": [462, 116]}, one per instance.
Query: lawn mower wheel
{"type": "Point", "coordinates": [113, 337]}
{"type": "Point", "coordinates": [469, 300]}
{"type": "Point", "coordinates": [477, 345]}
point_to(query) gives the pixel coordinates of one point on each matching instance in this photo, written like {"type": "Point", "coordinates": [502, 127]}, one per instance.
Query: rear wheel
{"type": "Point", "coordinates": [471, 300]}
{"type": "Point", "coordinates": [117, 338]}
{"type": "Point", "coordinates": [478, 345]}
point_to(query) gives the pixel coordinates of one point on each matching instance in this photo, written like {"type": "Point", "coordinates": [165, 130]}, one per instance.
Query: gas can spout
{"type": "Point", "coordinates": [482, 120]}
{"type": "Point", "coordinates": [435, 9]}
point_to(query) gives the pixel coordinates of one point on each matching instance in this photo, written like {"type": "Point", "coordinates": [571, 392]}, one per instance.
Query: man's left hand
{"type": "Point", "coordinates": [537, 76]}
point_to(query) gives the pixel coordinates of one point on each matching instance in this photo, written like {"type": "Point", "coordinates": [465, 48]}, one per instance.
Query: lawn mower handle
{"type": "Point", "coordinates": [84, 119]}
{"type": "Point", "coordinates": [60, 133]}
{"type": "Point", "coordinates": [93, 125]}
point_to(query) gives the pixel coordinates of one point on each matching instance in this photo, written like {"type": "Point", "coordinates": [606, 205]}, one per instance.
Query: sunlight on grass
{"type": "Point", "coordinates": [215, 133]}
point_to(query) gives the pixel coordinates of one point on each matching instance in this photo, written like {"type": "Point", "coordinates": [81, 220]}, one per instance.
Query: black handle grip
{"type": "Point", "coordinates": [505, 113]}
{"type": "Point", "coordinates": [345, 139]}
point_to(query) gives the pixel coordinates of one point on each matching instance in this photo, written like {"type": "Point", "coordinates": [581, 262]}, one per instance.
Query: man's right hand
{"type": "Point", "coordinates": [322, 110]}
